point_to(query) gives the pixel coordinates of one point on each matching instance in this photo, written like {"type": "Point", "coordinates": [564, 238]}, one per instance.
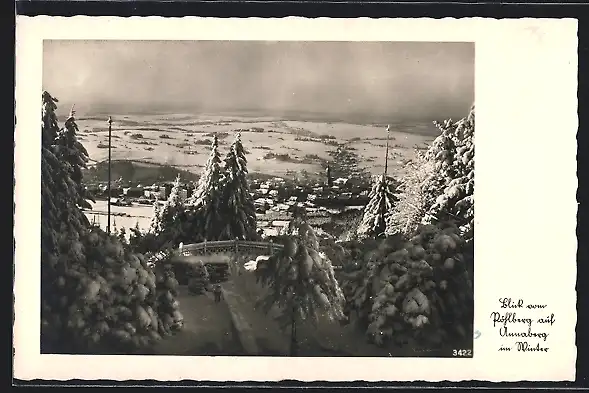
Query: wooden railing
{"type": "Point", "coordinates": [226, 246]}
{"type": "Point", "coordinates": [234, 246]}
{"type": "Point", "coordinates": [223, 246]}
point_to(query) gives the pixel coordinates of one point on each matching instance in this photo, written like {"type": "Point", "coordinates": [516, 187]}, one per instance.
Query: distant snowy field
{"type": "Point", "coordinates": [182, 140]}
{"type": "Point", "coordinates": [141, 214]}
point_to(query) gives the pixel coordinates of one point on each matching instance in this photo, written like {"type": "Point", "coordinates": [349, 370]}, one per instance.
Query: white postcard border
{"type": "Point", "coordinates": [525, 212]}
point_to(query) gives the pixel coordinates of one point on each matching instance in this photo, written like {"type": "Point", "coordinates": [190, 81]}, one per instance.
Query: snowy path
{"type": "Point", "coordinates": [326, 339]}
{"type": "Point", "coordinates": [208, 330]}
{"type": "Point", "coordinates": [265, 333]}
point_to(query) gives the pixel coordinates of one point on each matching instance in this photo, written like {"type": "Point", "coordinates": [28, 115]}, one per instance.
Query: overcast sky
{"type": "Point", "coordinates": [406, 79]}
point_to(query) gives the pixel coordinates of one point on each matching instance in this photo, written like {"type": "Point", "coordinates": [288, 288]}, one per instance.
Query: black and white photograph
{"type": "Point", "coordinates": [257, 198]}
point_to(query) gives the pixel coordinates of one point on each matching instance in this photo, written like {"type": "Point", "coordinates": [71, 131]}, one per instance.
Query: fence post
{"type": "Point", "coordinates": [205, 246]}
{"type": "Point", "coordinates": [271, 246]}
{"type": "Point", "coordinates": [236, 245]}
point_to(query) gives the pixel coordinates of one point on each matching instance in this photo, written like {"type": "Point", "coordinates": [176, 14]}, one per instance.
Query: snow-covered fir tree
{"type": "Point", "coordinates": [74, 156]}
{"type": "Point", "coordinates": [238, 204]}
{"type": "Point", "coordinates": [453, 154]}
{"type": "Point", "coordinates": [169, 223]}
{"type": "Point", "coordinates": [49, 126]}
{"type": "Point", "coordinates": [155, 224]}
{"type": "Point", "coordinates": [206, 218]}
{"type": "Point", "coordinates": [210, 177]}
{"type": "Point", "coordinates": [379, 207]}
{"type": "Point", "coordinates": [59, 192]}
{"type": "Point", "coordinates": [440, 185]}
{"type": "Point", "coordinates": [301, 281]}
{"type": "Point", "coordinates": [417, 192]}
{"type": "Point", "coordinates": [174, 200]}
{"type": "Point", "coordinates": [96, 295]}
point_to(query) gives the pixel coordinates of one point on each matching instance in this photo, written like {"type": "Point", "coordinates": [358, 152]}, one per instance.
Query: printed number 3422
{"type": "Point", "coordinates": [462, 352]}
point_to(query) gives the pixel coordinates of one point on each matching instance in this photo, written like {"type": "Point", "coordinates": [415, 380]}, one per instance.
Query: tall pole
{"type": "Point", "coordinates": [386, 158]}
{"type": "Point", "coordinates": [109, 171]}
{"type": "Point", "coordinates": [384, 186]}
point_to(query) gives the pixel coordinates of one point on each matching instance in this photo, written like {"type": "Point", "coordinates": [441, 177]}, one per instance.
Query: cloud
{"type": "Point", "coordinates": [410, 79]}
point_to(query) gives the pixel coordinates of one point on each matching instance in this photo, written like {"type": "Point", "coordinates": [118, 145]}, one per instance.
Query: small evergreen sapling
{"type": "Point", "coordinates": [301, 282]}
{"type": "Point", "coordinates": [199, 278]}
{"type": "Point", "coordinates": [155, 224]}
{"type": "Point", "coordinates": [376, 213]}
{"type": "Point", "coordinates": [169, 221]}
